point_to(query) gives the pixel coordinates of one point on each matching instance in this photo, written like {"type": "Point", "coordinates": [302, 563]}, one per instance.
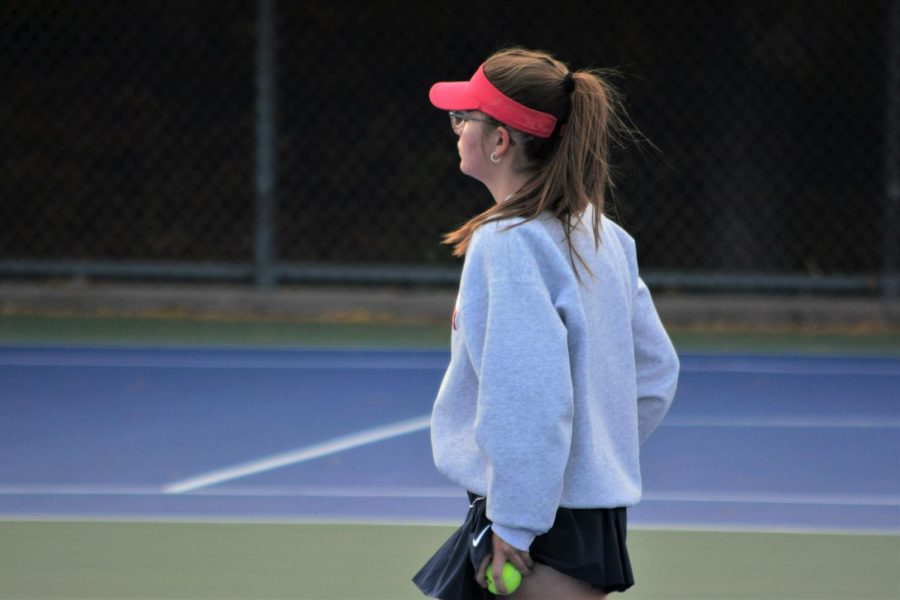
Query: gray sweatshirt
{"type": "Point", "coordinates": [553, 383]}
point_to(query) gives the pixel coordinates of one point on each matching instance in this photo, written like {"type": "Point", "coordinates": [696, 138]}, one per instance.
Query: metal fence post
{"type": "Point", "coordinates": [891, 275]}
{"type": "Point", "coordinates": [266, 200]}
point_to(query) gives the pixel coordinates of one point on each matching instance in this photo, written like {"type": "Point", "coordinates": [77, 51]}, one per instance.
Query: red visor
{"type": "Point", "coordinates": [480, 94]}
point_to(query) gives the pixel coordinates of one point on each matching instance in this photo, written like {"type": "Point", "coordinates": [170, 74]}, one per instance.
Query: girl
{"type": "Point", "coordinates": [560, 367]}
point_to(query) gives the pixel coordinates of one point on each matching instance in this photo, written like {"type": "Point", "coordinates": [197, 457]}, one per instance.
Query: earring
{"type": "Point", "coordinates": [494, 158]}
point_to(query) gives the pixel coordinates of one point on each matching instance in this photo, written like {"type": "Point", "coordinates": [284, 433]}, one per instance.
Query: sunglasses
{"type": "Point", "coordinates": [458, 120]}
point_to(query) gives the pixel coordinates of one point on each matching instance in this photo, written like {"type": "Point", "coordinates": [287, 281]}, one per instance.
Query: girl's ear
{"type": "Point", "coordinates": [503, 141]}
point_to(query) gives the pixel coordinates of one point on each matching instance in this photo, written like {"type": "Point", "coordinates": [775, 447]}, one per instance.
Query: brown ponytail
{"type": "Point", "coordinates": [570, 170]}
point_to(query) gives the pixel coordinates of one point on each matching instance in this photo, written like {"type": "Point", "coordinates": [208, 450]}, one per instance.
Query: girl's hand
{"type": "Point", "coordinates": [503, 552]}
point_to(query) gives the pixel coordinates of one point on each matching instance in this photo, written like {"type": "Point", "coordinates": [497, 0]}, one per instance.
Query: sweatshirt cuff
{"type": "Point", "coordinates": [520, 539]}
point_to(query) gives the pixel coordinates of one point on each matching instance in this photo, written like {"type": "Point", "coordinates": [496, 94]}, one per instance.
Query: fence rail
{"type": "Point", "coordinates": [237, 141]}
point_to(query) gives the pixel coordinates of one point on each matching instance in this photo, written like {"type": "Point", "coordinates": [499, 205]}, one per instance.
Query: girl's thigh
{"type": "Point", "coordinates": [549, 583]}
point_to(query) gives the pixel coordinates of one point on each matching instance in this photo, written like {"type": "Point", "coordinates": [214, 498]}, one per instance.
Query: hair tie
{"type": "Point", "coordinates": [569, 82]}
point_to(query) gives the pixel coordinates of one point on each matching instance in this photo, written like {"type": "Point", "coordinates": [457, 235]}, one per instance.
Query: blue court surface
{"type": "Point", "coordinates": [790, 443]}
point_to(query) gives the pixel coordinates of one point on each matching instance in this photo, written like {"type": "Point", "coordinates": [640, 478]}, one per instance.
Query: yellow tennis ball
{"type": "Point", "coordinates": [511, 578]}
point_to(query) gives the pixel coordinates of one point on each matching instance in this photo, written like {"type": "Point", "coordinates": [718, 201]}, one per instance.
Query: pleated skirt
{"type": "Point", "coordinates": [585, 543]}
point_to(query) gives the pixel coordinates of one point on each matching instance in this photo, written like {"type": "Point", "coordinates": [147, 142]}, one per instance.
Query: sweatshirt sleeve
{"type": "Point", "coordinates": [523, 425]}
{"type": "Point", "coordinates": [656, 363]}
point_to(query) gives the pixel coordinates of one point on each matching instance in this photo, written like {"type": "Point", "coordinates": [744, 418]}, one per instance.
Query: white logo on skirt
{"type": "Point", "coordinates": [477, 540]}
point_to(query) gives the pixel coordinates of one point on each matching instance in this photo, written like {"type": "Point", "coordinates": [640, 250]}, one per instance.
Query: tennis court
{"type": "Point", "coordinates": [259, 463]}
{"type": "Point", "coordinates": [225, 299]}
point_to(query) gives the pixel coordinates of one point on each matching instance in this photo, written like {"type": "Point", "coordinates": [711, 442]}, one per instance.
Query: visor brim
{"type": "Point", "coordinates": [452, 95]}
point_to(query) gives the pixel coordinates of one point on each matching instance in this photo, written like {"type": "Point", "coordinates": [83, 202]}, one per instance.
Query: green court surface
{"type": "Point", "coordinates": [219, 560]}
{"type": "Point", "coordinates": [128, 560]}
{"type": "Point", "coordinates": [40, 330]}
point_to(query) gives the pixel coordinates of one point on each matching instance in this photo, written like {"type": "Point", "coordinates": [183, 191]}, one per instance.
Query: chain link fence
{"type": "Point", "coordinates": [131, 136]}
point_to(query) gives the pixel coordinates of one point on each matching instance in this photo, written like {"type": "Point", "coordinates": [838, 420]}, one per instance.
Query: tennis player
{"type": "Point", "coordinates": [560, 367]}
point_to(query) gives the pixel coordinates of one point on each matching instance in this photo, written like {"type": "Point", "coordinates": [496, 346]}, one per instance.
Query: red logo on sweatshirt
{"type": "Point", "coordinates": [453, 322]}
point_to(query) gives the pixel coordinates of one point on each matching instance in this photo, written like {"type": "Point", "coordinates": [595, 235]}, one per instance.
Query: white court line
{"type": "Point", "coordinates": [763, 527]}
{"type": "Point", "coordinates": [339, 444]}
{"type": "Point", "coordinates": [775, 498]}
{"type": "Point", "coordinates": [825, 499]}
{"type": "Point", "coordinates": [336, 492]}
{"type": "Point", "coordinates": [236, 492]}
{"type": "Point", "coordinates": [781, 422]}
{"type": "Point", "coordinates": [224, 519]}
{"type": "Point", "coordinates": [791, 367]}
{"type": "Point", "coordinates": [240, 520]}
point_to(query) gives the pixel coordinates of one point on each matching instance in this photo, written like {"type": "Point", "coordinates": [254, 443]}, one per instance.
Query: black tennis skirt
{"type": "Point", "coordinates": [587, 544]}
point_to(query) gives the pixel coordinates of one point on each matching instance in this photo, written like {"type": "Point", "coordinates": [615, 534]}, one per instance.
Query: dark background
{"type": "Point", "coordinates": [127, 128]}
